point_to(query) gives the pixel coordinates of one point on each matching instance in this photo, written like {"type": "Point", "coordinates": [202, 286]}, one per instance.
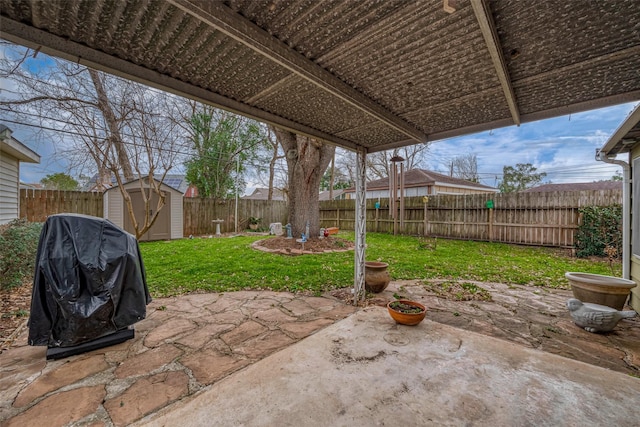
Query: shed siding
{"type": "Point", "coordinates": [9, 193]}
{"type": "Point", "coordinates": [114, 207]}
{"type": "Point", "coordinates": [176, 216]}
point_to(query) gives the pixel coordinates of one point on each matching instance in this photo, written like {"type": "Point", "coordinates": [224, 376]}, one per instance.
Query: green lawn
{"type": "Point", "coordinates": [228, 264]}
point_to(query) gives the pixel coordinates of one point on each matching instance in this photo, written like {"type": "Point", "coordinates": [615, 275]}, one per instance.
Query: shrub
{"type": "Point", "coordinates": [600, 231]}
{"type": "Point", "coordinates": [18, 247]}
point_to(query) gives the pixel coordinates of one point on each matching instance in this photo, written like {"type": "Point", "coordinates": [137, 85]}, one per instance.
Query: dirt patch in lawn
{"type": "Point", "coordinates": [315, 245]}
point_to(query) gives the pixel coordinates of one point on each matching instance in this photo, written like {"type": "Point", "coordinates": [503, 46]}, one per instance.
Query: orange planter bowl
{"type": "Point", "coordinates": [409, 319]}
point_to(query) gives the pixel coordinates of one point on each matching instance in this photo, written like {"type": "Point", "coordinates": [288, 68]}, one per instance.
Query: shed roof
{"type": "Point", "coordinates": [162, 184]}
{"type": "Point", "coordinates": [366, 74]}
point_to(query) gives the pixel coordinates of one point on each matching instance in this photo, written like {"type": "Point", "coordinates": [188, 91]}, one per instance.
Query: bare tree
{"type": "Point", "coordinates": [307, 160]}
{"type": "Point", "coordinates": [117, 127]}
{"type": "Point", "coordinates": [465, 167]}
{"type": "Point", "coordinates": [276, 155]}
{"type": "Point", "coordinates": [379, 165]}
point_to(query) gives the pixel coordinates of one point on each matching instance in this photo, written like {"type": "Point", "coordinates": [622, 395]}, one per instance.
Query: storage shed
{"type": "Point", "coordinates": [168, 225]}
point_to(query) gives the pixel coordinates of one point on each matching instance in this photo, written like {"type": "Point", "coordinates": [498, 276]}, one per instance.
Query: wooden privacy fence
{"type": "Point", "coordinates": [199, 214]}
{"type": "Point", "coordinates": [548, 219]}
{"type": "Point", "coordinates": [36, 205]}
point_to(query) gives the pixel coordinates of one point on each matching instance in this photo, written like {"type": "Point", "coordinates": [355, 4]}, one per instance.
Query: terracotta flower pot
{"type": "Point", "coordinates": [376, 276]}
{"type": "Point", "coordinates": [407, 318]}
{"type": "Point", "coordinates": [598, 289]}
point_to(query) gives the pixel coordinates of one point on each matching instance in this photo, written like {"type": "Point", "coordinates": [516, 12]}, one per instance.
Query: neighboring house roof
{"type": "Point", "coordinates": [262, 194]}
{"type": "Point", "coordinates": [177, 182]}
{"type": "Point", "coordinates": [324, 195]}
{"type": "Point", "coordinates": [15, 148]}
{"type": "Point", "coordinates": [421, 177]}
{"type": "Point", "coordinates": [576, 186]}
{"type": "Point", "coordinates": [192, 191]}
{"type": "Point", "coordinates": [31, 186]}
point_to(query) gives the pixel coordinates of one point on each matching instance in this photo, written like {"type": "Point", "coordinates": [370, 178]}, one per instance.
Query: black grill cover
{"type": "Point", "coordinates": [89, 281]}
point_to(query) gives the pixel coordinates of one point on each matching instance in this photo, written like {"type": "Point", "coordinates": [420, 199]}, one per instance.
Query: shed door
{"type": "Point", "coordinates": [161, 229]}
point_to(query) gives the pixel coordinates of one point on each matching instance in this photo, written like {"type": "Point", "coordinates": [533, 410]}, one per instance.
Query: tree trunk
{"type": "Point", "coordinates": [110, 118]}
{"type": "Point", "coordinates": [307, 160]}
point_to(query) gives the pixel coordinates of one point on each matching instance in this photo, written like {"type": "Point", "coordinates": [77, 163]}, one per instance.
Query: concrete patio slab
{"type": "Point", "coordinates": [367, 370]}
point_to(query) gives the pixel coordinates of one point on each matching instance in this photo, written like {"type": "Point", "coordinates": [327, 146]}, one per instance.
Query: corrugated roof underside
{"type": "Point", "coordinates": [428, 67]}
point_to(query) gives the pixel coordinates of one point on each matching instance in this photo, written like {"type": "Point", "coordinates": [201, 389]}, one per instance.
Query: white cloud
{"type": "Point", "coordinates": [563, 147]}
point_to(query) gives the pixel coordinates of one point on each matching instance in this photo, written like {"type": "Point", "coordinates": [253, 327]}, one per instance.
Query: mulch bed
{"type": "Point", "coordinates": [313, 245]}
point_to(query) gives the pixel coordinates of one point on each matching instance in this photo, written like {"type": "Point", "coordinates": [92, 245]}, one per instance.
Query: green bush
{"type": "Point", "coordinates": [18, 247]}
{"type": "Point", "coordinates": [600, 232]}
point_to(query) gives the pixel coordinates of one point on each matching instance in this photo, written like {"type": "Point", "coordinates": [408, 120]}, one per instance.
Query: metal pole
{"type": "Point", "coordinates": [361, 225]}
{"type": "Point", "coordinates": [237, 178]}
{"type": "Point", "coordinates": [402, 197]}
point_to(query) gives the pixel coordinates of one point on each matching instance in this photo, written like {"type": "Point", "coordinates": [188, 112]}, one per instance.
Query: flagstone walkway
{"type": "Point", "coordinates": [185, 344]}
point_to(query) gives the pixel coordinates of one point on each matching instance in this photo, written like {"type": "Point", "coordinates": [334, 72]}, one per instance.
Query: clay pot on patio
{"type": "Point", "coordinates": [376, 276]}
{"type": "Point", "coordinates": [407, 312]}
{"type": "Point", "coordinates": [598, 289]}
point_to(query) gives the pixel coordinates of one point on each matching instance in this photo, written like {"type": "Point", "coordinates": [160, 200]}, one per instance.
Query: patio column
{"type": "Point", "coordinates": [361, 224]}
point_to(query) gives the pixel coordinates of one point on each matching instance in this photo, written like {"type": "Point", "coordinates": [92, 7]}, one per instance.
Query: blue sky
{"type": "Point", "coordinates": [563, 147]}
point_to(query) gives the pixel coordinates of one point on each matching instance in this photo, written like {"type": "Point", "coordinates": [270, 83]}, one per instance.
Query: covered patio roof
{"type": "Point", "coordinates": [367, 75]}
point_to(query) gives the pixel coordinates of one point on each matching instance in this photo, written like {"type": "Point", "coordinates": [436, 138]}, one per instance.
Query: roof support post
{"type": "Point", "coordinates": [488, 29]}
{"type": "Point", "coordinates": [361, 225]}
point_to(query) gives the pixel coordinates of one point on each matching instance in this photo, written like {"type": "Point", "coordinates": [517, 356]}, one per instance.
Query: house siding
{"type": "Point", "coordinates": [9, 196]}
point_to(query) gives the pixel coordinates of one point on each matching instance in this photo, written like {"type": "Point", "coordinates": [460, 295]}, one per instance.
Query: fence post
{"type": "Point", "coordinates": [426, 217]}
{"type": "Point", "coordinates": [338, 217]}
{"type": "Point", "coordinates": [376, 219]}
{"type": "Point", "coordinates": [491, 225]}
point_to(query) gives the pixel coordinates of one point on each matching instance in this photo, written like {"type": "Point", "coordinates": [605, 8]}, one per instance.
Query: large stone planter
{"type": "Point", "coordinates": [598, 289]}
{"type": "Point", "coordinates": [376, 276]}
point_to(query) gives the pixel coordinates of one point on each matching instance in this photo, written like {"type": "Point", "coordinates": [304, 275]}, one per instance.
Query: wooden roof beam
{"type": "Point", "coordinates": [225, 20]}
{"type": "Point", "coordinates": [488, 29]}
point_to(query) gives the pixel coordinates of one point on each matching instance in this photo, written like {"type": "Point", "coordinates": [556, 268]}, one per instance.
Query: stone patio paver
{"type": "Point", "coordinates": [61, 408]}
{"type": "Point", "coordinates": [147, 395]}
{"type": "Point", "coordinates": [62, 373]}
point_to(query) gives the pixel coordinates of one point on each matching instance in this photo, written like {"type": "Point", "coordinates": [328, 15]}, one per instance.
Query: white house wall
{"type": "Point", "coordinates": [9, 190]}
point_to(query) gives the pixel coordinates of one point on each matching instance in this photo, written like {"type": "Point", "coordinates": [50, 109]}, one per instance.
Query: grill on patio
{"type": "Point", "coordinates": [89, 286]}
